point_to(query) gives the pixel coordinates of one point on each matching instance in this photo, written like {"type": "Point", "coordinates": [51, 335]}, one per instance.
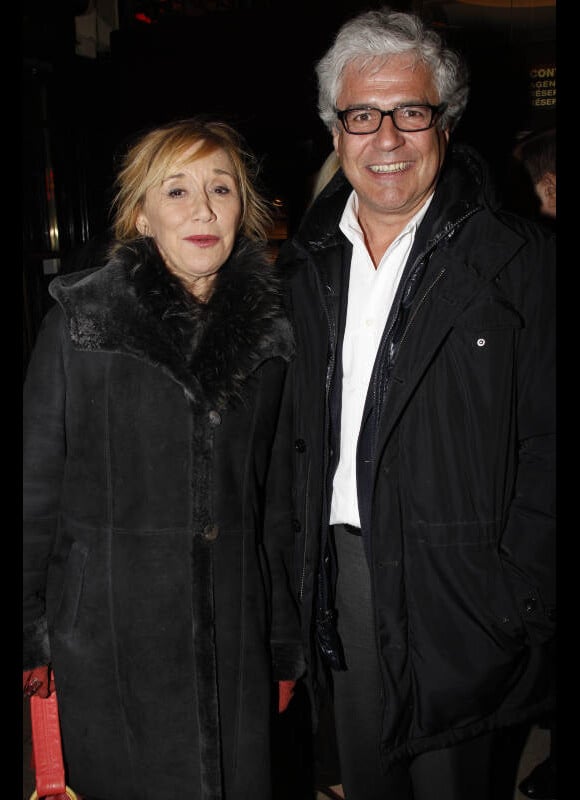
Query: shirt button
{"type": "Point", "coordinates": [481, 342]}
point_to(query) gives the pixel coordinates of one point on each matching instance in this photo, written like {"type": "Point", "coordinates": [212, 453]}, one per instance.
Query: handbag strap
{"type": "Point", "coordinates": [47, 746]}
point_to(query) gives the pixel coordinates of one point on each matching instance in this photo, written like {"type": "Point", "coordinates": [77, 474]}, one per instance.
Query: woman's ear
{"type": "Point", "coordinates": [142, 225]}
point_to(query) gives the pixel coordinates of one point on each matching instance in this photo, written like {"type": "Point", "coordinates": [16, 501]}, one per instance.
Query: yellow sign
{"type": "Point", "coordinates": [543, 86]}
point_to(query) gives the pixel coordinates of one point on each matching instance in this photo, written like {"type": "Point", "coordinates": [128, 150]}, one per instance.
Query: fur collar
{"type": "Point", "coordinates": [133, 305]}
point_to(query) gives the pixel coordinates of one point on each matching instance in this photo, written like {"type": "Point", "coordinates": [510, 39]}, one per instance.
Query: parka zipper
{"type": "Point", "coordinates": [305, 548]}
{"type": "Point", "coordinates": [379, 382]}
{"type": "Point", "coordinates": [420, 303]}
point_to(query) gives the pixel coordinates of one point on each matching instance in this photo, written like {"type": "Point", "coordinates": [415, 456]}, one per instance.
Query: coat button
{"type": "Point", "coordinates": [214, 418]}
{"type": "Point", "coordinates": [530, 604]}
{"type": "Point", "coordinates": [300, 445]}
{"type": "Point", "coordinates": [210, 532]}
{"type": "Point", "coordinates": [481, 342]}
{"type": "Point", "coordinates": [296, 526]}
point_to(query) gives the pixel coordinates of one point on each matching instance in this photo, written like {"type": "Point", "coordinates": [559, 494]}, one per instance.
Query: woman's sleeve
{"type": "Point", "coordinates": [44, 449]}
{"type": "Point", "coordinates": [280, 542]}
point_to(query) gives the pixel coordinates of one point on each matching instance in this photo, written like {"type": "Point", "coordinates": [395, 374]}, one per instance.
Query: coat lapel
{"type": "Point", "coordinates": [450, 285]}
{"type": "Point", "coordinates": [209, 350]}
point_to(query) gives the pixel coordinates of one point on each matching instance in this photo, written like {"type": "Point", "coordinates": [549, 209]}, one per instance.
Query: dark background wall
{"type": "Point", "coordinates": [249, 62]}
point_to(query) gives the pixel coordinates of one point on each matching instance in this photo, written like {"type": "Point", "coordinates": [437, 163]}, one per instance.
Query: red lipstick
{"type": "Point", "coordinates": [203, 241]}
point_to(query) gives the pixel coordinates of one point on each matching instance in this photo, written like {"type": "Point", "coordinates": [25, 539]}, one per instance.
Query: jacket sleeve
{"type": "Point", "coordinates": [43, 463]}
{"type": "Point", "coordinates": [529, 538]}
{"type": "Point", "coordinates": [287, 651]}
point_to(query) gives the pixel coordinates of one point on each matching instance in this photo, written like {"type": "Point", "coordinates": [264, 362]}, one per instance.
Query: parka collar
{"type": "Point", "coordinates": [133, 305]}
{"type": "Point", "coordinates": [464, 187]}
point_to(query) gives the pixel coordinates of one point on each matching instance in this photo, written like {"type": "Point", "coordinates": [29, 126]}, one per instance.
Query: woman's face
{"type": "Point", "coordinates": [194, 217]}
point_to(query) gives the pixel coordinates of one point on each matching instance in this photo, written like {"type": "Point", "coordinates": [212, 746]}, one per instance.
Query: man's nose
{"type": "Point", "coordinates": [388, 134]}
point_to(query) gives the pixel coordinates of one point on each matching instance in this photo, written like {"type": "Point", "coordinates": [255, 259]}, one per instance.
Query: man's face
{"type": "Point", "coordinates": [393, 172]}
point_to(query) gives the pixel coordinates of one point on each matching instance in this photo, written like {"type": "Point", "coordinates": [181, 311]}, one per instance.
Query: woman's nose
{"type": "Point", "coordinates": [201, 209]}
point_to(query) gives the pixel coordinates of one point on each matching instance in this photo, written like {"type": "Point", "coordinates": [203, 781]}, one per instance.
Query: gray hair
{"type": "Point", "coordinates": [383, 33]}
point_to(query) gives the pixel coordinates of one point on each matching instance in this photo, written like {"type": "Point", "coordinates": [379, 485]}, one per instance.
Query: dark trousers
{"type": "Point", "coordinates": [481, 769]}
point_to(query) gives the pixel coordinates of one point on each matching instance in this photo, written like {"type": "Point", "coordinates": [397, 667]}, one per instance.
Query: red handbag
{"type": "Point", "coordinates": [47, 760]}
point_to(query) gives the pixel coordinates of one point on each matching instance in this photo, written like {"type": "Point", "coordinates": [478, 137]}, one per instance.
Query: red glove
{"type": "Point", "coordinates": [39, 681]}
{"type": "Point", "coordinates": [285, 693]}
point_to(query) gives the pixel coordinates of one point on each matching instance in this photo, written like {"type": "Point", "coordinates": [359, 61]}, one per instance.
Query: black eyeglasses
{"type": "Point", "coordinates": [409, 119]}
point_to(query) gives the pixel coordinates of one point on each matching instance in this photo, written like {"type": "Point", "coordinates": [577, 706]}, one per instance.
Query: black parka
{"type": "Point", "coordinates": [457, 499]}
{"type": "Point", "coordinates": [157, 526]}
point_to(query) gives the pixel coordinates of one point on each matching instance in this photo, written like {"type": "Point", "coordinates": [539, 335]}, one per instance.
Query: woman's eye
{"type": "Point", "coordinates": [176, 193]}
{"type": "Point", "coordinates": [222, 189]}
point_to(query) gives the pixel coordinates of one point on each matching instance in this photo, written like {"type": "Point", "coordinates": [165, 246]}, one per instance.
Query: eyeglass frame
{"type": "Point", "coordinates": [435, 110]}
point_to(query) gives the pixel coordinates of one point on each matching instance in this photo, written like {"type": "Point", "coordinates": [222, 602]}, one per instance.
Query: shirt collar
{"type": "Point", "coordinates": [351, 228]}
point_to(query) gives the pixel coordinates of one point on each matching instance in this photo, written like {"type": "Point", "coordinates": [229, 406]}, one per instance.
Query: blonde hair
{"type": "Point", "coordinates": [325, 174]}
{"type": "Point", "coordinates": [148, 159]}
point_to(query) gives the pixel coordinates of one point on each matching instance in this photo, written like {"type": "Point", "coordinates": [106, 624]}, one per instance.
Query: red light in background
{"type": "Point", "coordinates": [49, 184]}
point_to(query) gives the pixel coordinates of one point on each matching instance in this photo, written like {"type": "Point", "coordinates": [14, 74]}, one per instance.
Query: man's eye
{"type": "Point", "coordinates": [361, 116]}
{"type": "Point", "coordinates": [413, 112]}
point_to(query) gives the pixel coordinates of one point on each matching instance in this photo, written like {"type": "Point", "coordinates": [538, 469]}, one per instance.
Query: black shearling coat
{"type": "Point", "coordinates": [455, 460]}
{"type": "Point", "coordinates": [157, 526]}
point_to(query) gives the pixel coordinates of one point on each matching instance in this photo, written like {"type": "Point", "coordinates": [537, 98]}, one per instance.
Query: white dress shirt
{"type": "Point", "coordinates": [370, 296]}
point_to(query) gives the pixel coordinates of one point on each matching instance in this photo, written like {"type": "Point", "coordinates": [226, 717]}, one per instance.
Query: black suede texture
{"type": "Point", "coordinates": [158, 542]}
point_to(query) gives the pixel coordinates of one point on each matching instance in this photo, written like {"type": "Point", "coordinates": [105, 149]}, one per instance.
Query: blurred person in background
{"type": "Point", "coordinates": [537, 155]}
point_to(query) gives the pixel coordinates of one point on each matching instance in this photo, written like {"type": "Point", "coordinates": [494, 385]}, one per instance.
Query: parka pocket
{"type": "Point", "coordinates": [457, 585]}
{"type": "Point", "coordinates": [471, 392]}
{"type": "Point", "coordinates": [538, 617]}
{"type": "Point", "coordinates": [486, 332]}
{"type": "Point", "coordinates": [72, 583]}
